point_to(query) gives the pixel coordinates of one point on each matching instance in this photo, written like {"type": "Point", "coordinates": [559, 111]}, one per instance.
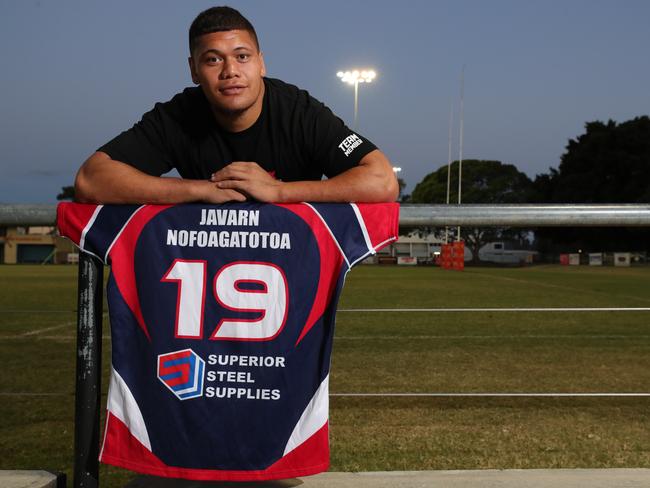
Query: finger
{"type": "Point", "coordinates": [247, 165]}
{"type": "Point", "coordinates": [225, 175]}
{"type": "Point", "coordinates": [230, 173]}
{"type": "Point", "coordinates": [244, 166]}
{"type": "Point", "coordinates": [233, 185]}
{"type": "Point", "coordinates": [236, 196]}
{"type": "Point", "coordinates": [231, 196]}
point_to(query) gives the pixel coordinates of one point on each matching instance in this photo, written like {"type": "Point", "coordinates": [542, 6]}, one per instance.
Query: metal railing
{"type": "Point", "coordinates": [91, 270]}
{"type": "Point", "coordinates": [412, 215]}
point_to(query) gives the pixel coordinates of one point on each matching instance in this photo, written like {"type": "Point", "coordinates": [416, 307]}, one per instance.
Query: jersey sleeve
{"type": "Point", "coordinates": [360, 229]}
{"type": "Point", "coordinates": [93, 228]}
{"type": "Point", "coordinates": [145, 146]}
{"type": "Point", "coordinates": [336, 148]}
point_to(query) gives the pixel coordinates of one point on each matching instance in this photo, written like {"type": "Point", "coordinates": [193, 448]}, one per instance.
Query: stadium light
{"type": "Point", "coordinates": [355, 77]}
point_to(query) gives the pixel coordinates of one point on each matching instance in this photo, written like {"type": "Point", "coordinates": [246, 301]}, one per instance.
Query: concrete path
{"type": "Point", "coordinates": [528, 478]}
{"type": "Point", "coordinates": [511, 478]}
{"type": "Point", "coordinates": [30, 479]}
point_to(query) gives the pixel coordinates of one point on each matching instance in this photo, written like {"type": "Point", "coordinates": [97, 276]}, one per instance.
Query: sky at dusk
{"type": "Point", "coordinates": [76, 73]}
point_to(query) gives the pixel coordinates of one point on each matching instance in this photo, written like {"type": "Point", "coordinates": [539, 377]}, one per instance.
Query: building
{"type": "Point", "coordinates": [423, 248]}
{"type": "Point", "coordinates": [34, 245]}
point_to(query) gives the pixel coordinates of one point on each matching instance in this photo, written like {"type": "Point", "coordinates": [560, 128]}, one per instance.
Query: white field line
{"type": "Point", "coordinates": [19, 394]}
{"type": "Point", "coordinates": [65, 338]}
{"type": "Point", "coordinates": [424, 395]}
{"type": "Point", "coordinates": [459, 309]}
{"type": "Point", "coordinates": [531, 309]}
{"type": "Point", "coordinates": [497, 395]}
{"type": "Point", "coordinates": [37, 332]}
{"type": "Point", "coordinates": [48, 329]}
{"type": "Point", "coordinates": [550, 285]}
{"type": "Point", "coordinates": [36, 311]}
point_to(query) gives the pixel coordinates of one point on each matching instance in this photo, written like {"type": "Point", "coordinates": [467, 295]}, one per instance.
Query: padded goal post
{"type": "Point", "coordinates": [452, 256]}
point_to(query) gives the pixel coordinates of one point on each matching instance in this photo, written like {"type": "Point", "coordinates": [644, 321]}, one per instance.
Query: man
{"type": "Point", "coordinates": [239, 136]}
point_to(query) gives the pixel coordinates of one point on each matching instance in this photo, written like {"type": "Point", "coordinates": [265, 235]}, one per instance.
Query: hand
{"type": "Point", "coordinates": [209, 193]}
{"type": "Point", "coordinates": [250, 179]}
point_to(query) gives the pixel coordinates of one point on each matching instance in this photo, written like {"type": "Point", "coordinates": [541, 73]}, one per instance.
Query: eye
{"type": "Point", "coordinates": [212, 59]}
{"type": "Point", "coordinates": [243, 57]}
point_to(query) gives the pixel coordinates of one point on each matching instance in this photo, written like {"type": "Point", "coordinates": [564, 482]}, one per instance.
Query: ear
{"type": "Point", "coordinates": [195, 77]}
{"type": "Point", "coordinates": [263, 70]}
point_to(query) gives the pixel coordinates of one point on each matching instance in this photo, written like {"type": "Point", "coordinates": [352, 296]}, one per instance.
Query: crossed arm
{"type": "Point", "coordinates": [104, 180]}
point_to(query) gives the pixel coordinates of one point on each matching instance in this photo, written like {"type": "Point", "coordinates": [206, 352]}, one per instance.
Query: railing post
{"type": "Point", "coordinates": [89, 372]}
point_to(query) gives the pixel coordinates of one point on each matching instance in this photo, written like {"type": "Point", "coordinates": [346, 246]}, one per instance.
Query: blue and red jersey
{"type": "Point", "coordinates": [222, 319]}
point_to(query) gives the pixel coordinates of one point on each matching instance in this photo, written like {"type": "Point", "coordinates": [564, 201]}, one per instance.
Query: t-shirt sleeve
{"type": "Point", "coordinates": [144, 146]}
{"type": "Point", "coordinates": [336, 148]}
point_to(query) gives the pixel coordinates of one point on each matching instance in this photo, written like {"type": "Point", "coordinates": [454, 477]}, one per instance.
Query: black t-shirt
{"type": "Point", "coordinates": [296, 137]}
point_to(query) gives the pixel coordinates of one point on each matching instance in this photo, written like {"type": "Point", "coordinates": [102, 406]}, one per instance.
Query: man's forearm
{"type": "Point", "coordinates": [355, 185]}
{"type": "Point", "coordinates": [103, 180]}
{"type": "Point", "coordinates": [373, 180]}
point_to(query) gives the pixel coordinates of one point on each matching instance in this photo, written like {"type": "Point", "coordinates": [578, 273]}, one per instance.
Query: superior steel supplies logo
{"type": "Point", "coordinates": [182, 372]}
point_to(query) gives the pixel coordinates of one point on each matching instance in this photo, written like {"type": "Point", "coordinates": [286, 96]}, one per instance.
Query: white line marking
{"type": "Point", "coordinates": [430, 395]}
{"type": "Point", "coordinates": [550, 285]}
{"type": "Point", "coordinates": [497, 395]}
{"type": "Point", "coordinates": [36, 311]}
{"type": "Point", "coordinates": [543, 309]}
{"type": "Point", "coordinates": [540, 309]}
{"type": "Point", "coordinates": [391, 338]}
{"type": "Point", "coordinates": [47, 329]}
{"type": "Point", "coordinates": [14, 394]}
{"type": "Point", "coordinates": [37, 332]}
{"type": "Point", "coordinates": [65, 338]}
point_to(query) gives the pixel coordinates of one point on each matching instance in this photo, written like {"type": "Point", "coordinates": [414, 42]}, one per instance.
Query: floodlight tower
{"type": "Point", "coordinates": [355, 77]}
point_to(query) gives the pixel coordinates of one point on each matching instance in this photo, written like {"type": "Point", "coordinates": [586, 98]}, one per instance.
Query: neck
{"type": "Point", "coordinates": [240, 120]}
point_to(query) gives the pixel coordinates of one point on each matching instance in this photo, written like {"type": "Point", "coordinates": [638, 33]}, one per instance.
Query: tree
{"type": "Point", "coordinates": [483, 182]}
{"type": "Point", "coordinates": [609, 163]}
{"type": "Point", "coordinates": [402, 185]}
{"type": "Point", "coordinates": [67, 193]}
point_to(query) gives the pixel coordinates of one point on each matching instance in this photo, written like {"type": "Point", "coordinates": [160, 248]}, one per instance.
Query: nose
{"type": "Point", "coordinates": [229, 68]}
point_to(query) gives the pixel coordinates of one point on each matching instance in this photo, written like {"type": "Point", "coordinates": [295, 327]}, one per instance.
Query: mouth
{"type": "Point", "coordinates": [232, 90]}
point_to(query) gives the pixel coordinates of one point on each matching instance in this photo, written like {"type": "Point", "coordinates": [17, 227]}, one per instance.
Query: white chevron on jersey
{"type": "Point", "coordinates": [89, 226]}
{"type": "Point", "coordinates": [122, 404]}
{"type": "Point", "coordinates": [312, 419]}
{"type": "Point", "coordinates": [364, 229]}
{"type": "Point", "coordinates": [331, 233]}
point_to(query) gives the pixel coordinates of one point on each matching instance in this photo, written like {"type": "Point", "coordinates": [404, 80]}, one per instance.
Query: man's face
{"type": "Point", "coordinates": [229, 68]}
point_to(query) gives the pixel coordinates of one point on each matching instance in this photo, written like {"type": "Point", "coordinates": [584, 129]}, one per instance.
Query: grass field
{"type": "Point", "coordinates": [398, 352]}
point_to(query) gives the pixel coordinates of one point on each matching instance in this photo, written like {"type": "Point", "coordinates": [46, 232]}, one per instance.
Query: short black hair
{"type": "Point", "coordinates": [219, 19]}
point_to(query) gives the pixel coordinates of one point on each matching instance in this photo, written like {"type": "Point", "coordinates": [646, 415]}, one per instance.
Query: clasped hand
{"type": "Point", "coordinates": [249, 179]}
